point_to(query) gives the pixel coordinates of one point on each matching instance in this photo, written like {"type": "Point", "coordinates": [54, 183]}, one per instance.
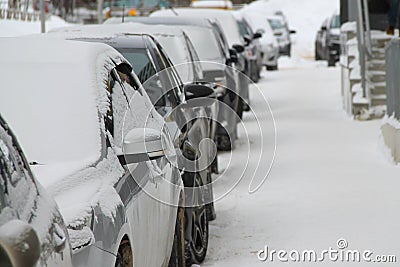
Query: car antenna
{"type": "Point", "coordinates": [173, 10]}
{"type": "Point", "coordinates": [123, 13]}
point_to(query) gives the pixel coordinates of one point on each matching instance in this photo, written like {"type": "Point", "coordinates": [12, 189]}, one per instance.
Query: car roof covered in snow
{"type": "Point", "coordinates": [50, 94]}
{"type": "Point", "coordinates": [226, 18]}
{"type": "Point", "coordinates": [204, 22]}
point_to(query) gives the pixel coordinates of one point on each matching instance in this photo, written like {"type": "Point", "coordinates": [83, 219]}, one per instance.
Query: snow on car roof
{"type": "Point", "coordinates": [50, 96]}
{"type": "Point", "coordinates": [225, 17]}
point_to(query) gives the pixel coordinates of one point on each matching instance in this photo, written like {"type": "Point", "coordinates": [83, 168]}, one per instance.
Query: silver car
{"type": "Point", "coordinates": [99, 148]}
{"type": "Point", "coordinates": [32, 231]}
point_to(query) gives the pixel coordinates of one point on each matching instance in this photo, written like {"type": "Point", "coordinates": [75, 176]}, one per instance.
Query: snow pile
{"type": "Point", "coordinates": [11, 28]}
{"type": "Point", "coordinates": [304, 16]}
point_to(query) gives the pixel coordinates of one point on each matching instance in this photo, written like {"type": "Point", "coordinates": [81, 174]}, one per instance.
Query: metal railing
{"type": "Point", "coordinates": [393, 78]}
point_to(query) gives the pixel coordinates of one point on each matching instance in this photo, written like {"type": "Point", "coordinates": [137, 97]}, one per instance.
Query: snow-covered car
{"type": "Point", "coordinates": [268, 43]}
{"type": "Point", "coordinates": [282, 34]}
{"type": "Point", "coordinates": [230, 30]}
{"type": "Point", "coordinates": [218, 4]}
{"type": "Point", "coordinates": [327, 42]}
{"type": "Point", "coordinates": [99, 148]}
{"type": "Point", "coordinates": [212, 48]}
{"type": "Point", "coordinates": [32, 231]}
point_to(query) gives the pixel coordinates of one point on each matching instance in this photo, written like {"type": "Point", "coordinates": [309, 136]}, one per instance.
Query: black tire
{"type": "Point", "coordinates": [199, 235]}
{"type": "Point", "coordinates": [317, 57]}
{"type": "Point", "coordinates": [124, 257]}
{"type": "Point", "coordinates": [272, 68]}
{"type": "Point", "coordinates": [225, 142]}
{"type": "Point", "coordinates": [240, 108]}
{"type": "Point", "coordinates": [178, 258]}
{"type": "Point", "coordinates": [211, 215]}
{"type": "Point", "coordinates": [331, 61]}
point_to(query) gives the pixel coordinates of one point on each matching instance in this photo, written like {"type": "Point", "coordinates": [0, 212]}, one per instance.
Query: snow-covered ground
{"type": "Point", "coordinates": [11, 27]}
{"type": "Point", "coordinates": [329, 179]}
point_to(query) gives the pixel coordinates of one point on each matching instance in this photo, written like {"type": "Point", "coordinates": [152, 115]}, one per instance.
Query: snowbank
{"type": "Point", "coordinates": [11, 28]}
{"type": "Point", "coordinates": [304, 16]}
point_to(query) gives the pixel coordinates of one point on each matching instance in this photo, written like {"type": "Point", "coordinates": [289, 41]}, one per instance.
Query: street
{"type": "Point", "coordinates": [330, 179]}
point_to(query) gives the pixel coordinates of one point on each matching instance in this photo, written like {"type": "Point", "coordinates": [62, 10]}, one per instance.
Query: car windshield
{"type": "Point", "coordinates": [205, 43]}
{"type": "Point", "coordinates": [335, 23]}
{"type": "Point", "coordinates": [276, 24]}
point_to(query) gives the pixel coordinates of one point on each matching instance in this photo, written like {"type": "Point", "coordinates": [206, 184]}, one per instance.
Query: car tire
{"type": "Point", "coordinates": [226, 142]}
{"type": "Point", "coordinates": [211, 215]}
{"type": "Point", "coordinates": [331, 61]}
{"type": "Point", "coordinates": [240, 108]}
{"type": "Point", "coordinates": [178, 258]}
{"type": "Point", "coordinates": [199, 235]}
{"type": "Point", "coordinates": [272, 68]}
{"type": "Point", "coordinates": [317, 57]}
{"type": "Point", "coordinates": [124, 257]}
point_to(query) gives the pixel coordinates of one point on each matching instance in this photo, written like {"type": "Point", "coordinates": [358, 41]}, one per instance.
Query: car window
{"type": "Point", "coordinates": [242, 28]}
{"type": "Point", "coordinates": [335, 22]}
{"type": "Point", "coordinates": [175, 94]}
{"type": "Point", "coordinates": [146, 71]}
{"type": "Point", "coordinates": [276, 24]}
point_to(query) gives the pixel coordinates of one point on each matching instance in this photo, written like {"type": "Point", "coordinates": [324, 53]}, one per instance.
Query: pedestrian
{"type": "Point", "coordinates": [393, 14]}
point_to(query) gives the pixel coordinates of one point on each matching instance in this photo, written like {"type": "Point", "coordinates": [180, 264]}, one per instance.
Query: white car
{"type": "Point", "coordinates": [282, 34]}
{"type": "Point", "coordinates": [268, 42]}
{"type": "Point", "coordinates": [98, 147]}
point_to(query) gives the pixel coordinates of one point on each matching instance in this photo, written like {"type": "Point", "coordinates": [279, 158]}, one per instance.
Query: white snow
{"type": "Point", "coordinates": [11, 28]}
{"type": "Point", "coordinates": [304, 16]}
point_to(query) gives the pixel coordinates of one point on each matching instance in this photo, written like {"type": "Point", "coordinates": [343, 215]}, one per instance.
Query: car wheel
{"type": "Point", "coordinates": [240, 108]}
{"type": "Point", "coordinates": [331, 61]}
{"type": "Point", "coordinates": [178, 258]}
{"type": "Point", "coordinates": [317, 57]}
{"type": "Point", "coordinates": [124, 257]}
{"type": "Point", "coordinates": [199, 235]}
{"type": "Point", "coordinates": [211, 215]}
{"type": "Point", "coordinates": [272, 68]}
{"type": "Point", "coordinates": [225, 142]}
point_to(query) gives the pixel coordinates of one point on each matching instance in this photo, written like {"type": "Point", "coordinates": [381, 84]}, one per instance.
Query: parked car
{"type": "Point", "coordinates": [232, 33]}
{"type": "Point", "coordinates": [187, 124]}
{"type": "Point", "coordinates": [252, 45]}
{"type": "Point", "coordinates": [32, 231]}
{"type": "Point", "coordinates": [282, 34]}
{"type": "Point", "coordinates": [217, 64]}
{"type": "Point", "coordinates": [327, 42]}
{"type": "Point", "coordinates": [268, 42]}
{"type": "Point", "coordinates": [98, 147]}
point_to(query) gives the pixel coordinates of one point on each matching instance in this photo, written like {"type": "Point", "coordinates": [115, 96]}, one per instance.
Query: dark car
{"type": "Point", "coordinates": [327, 43]}
{"type": "Point", "coordinates": [32, 231]}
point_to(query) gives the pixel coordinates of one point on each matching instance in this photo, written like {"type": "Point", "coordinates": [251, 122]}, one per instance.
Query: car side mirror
{"type": "Point", "coordinates": [247, 39]}
{"type": "Point", "coordinates": [198, 90]}
{"type": "Point", "coordinates": [292, 31]}
{"type": "Point", "coordinates": [233, 56]}
{"type": "Point", "coordinates": [257, 35]}
{"type": "Point", "coordinates": [19, 244]}
{"type": "Point", "coordinates": [141, 144]}
{"type": "Point", "coordinates": [239, 48]}
{"type": "Point", "coordinates": [323, 28]}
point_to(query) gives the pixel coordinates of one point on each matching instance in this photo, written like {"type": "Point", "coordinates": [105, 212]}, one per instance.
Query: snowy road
{"type": "Point", "coordinates": [329, 180]}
